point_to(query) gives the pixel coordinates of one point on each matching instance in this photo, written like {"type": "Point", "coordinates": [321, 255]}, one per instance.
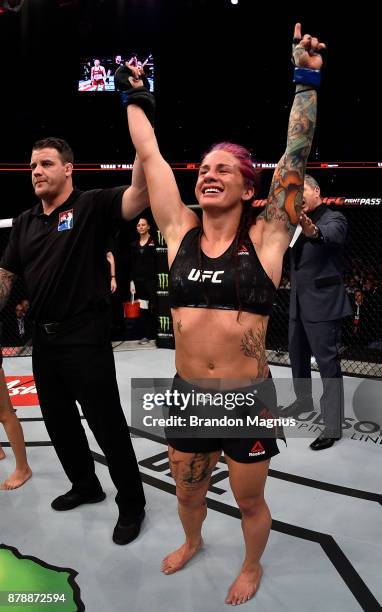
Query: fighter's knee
{"type": "Point", "coordinates": [191, 497]}
{"type": "Point", "coordinates": [250, 506]}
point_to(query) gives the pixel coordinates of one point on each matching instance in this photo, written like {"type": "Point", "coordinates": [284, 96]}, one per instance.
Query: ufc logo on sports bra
{"type": "Point", "coordinates": [201, 276]}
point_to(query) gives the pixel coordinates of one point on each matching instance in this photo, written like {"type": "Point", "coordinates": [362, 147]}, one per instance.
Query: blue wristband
{"type": "Point", "coordinates": [124, 96]}
{"type": "Point", "coordinates": [306, 76]}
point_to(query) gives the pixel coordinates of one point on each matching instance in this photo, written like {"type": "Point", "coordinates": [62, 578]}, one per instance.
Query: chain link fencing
{"type": "Point", "coordinates": [361, 338]}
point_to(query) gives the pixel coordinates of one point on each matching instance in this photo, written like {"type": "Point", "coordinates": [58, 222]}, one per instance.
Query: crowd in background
{"type": "Point", "coordinates": [364, 287]}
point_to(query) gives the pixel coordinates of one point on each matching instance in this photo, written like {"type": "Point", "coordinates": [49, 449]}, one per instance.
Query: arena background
{"type": "Point", "coordinates": [222, 72]}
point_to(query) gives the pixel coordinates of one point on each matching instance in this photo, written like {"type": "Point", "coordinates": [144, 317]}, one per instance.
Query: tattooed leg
{"type": "Point", "coordinates": [253, 345]}
{"type": "Point", "coordinates": [192, 472]}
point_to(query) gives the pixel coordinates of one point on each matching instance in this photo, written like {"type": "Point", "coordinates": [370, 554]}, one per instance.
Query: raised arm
{"type": "Point", "coordinates": [146, 60]}
{"type": "Point", "coordinates": [284, 201]}
{"type": "Point", "coordinates": [136, 197]}
{"type": "Point", "coordinates": [171, 215]}
{"type": "Point", "coordinates": [164, 195]}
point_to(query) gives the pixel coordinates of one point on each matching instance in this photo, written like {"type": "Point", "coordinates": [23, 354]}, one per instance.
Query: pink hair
{"type": "Point", "coordinates": [250, 175]}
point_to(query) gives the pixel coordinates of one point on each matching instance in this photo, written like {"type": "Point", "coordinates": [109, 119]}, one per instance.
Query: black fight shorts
{"type": "Point", "coordinates": [241, 449]}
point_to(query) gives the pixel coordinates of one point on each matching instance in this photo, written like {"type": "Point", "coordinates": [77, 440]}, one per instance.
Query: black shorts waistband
{"type": "Point", "coordinates": [238, 412]}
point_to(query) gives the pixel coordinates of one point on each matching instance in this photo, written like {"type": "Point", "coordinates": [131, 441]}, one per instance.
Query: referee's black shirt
{"type": "Point", "coordinates": [62, 256]}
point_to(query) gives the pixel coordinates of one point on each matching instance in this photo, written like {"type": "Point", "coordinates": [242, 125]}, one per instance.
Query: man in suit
{"type": "Point", "coordinates": [318, 303]}
{"type": "Point", "coordinates": [17, 330]}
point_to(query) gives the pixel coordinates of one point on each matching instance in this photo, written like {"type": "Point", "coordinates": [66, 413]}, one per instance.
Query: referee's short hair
{"type": "Point", "coordinates": [59, 144]}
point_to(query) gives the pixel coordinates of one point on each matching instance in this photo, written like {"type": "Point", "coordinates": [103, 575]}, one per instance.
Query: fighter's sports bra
{"type": "Point", "coordinates": [220, 284]}
{"type": "Point", "coordinates": [97, 73]}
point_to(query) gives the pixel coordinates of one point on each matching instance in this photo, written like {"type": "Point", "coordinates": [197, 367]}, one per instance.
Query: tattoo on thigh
{"type": "Point", "coordinates": [174, 465]}
{"type": "Point", "coordinates": [198, 469]}
{"type": "Point", "coordinates": [179, 326]}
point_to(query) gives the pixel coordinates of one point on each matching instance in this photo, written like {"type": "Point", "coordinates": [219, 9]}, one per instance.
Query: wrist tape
{"type": "Point", "coordinates": [142, 98]}
{"type": "Point", "coordinates": [306, 76]}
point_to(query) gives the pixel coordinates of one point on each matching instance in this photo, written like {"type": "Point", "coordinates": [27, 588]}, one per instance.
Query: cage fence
{"type": "Point", "coordinates": [360, 343]}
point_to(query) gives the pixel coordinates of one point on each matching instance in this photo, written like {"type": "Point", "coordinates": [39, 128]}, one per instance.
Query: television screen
{"type": "Point", "coordinates": [97, 72]}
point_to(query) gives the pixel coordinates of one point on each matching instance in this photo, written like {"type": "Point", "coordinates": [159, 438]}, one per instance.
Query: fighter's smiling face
{"type": "Point", "coordinates": [220, 181]}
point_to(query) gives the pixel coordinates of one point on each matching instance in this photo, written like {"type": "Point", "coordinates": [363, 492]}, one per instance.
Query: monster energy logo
{"type": "Point", "coordinates": [160, 239]}
{"type": "Point", "coordinates": [164, 324]}
{"type": "Point", "coordinates": [163, 281]}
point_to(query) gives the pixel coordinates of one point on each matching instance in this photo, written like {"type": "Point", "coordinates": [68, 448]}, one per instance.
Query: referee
{"type": "Point", "coordinates": [58, 247]}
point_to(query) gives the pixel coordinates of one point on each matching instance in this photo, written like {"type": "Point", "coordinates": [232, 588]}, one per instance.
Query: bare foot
{"type": "Point", "coordinates": [2, 453]}
{"type": "Point", "coordinates": [178, 559]}
{"type": "Point", "coordinates": [17, 479]}
{"type": "Point", "coordinates": [245, 586]}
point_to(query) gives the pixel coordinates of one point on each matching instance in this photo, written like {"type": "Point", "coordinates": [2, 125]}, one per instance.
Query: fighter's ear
{"type": "Point", "coordinates": [68, 169]}
{"type": "Point", "coordinates": [248, 194]}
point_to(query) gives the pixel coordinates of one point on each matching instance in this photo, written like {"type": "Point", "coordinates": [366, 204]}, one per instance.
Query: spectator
{"type": "Point", "coordinates": [143, 275]}
{"type": "Point", "coordinates": [17, 330]}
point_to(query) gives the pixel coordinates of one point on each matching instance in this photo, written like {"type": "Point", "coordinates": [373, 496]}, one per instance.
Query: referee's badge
{"type": "Point", "coordinates": [65, 220]}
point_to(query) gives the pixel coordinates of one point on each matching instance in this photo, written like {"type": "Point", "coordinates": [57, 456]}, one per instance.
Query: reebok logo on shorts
{"type": "Point", "coordinates": [256, 450]}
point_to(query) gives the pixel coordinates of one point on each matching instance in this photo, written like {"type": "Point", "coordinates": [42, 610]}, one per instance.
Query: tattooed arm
{"type": "Point", "coordinates": [6, 282]}
{"type": "Point", "coordinates": [285, 197]}
{"type": "Point", "coordinates": [286, 193]}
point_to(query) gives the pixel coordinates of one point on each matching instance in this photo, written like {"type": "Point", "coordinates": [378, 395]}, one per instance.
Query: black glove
{"type": "Point", "coordinates": [140, 96]}
{"type": "Point", "coordinates": [121, 78]}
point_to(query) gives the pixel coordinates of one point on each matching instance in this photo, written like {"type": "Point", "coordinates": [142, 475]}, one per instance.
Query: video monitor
{"type": "Point", "coordinates": [97, 72]}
